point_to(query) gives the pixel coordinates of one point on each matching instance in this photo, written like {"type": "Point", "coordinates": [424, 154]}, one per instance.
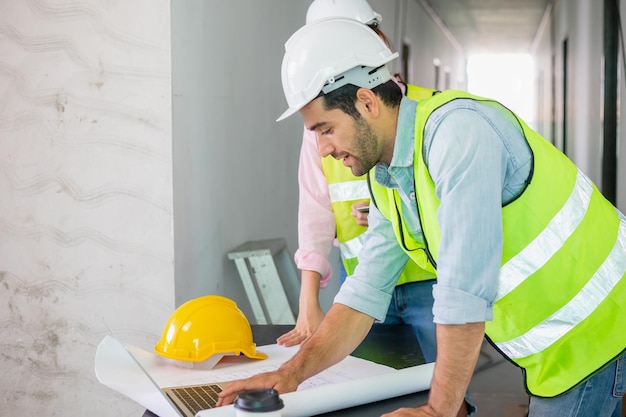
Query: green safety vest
{"type": "Point", "coordinates": [559, 311]}
{"type": "Point", "coordinates": [345, 189]}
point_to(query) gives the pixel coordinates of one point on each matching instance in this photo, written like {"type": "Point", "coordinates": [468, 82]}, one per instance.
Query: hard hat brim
{"type": "Point", "coordinates": [257, 354]}
{"type": "Point", "coordinates": [289, 112]}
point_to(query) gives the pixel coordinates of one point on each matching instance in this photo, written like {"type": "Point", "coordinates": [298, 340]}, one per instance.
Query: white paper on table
{"type": "Point", "coordinates": [116, 369]}
{"type": "Point", "coordinates": [167, 374]}
{"type": "Point", "coordinates": [331, 397]}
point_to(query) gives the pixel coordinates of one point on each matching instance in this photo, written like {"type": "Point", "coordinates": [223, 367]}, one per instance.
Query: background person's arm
{"type": "Point", "coordinates": [316, 233]}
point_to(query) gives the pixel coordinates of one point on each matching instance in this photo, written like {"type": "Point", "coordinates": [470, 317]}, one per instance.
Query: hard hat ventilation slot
{"type": "Point", "coordinates": [360, 76]}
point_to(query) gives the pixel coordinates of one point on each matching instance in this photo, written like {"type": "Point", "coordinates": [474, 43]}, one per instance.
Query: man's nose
{"type": "Point", "coordinates": [324, 146]}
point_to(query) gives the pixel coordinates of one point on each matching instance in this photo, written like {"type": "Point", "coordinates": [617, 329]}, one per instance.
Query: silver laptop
{"type": "Point", "coordinates": [190, 399]}
{"type": "Point", "coordinates": [186, 400]}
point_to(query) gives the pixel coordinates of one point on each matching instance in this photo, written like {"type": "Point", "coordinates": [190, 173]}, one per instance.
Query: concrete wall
{"type": "Point", "coordinates": [429, 46]}
{"type": "Point", "coordinates": [86, 196]}
{"type": "Point", "coordinates": [235, 168]}
{"type": "Point", "coordinates": [544, 58]}
{"type": "Point", "coordinates": [409, 22]}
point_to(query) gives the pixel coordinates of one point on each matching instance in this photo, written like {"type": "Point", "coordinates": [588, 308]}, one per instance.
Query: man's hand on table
{"type": "Point", "coordinates": [279, 380]}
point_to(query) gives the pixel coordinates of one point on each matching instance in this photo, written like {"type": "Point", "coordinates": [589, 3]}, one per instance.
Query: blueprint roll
{"type": "Point", "coordinates": [337, 396]}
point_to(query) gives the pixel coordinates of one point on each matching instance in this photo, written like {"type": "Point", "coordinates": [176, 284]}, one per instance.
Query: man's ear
{"type": "Point", "coordinates": [368, 101]}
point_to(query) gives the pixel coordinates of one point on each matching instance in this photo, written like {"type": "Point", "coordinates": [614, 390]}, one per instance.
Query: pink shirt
{"type": "Point", "coordinates": [316, 221]}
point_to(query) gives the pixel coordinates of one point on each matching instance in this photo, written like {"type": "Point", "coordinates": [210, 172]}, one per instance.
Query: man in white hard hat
{"type": "Point", "coordinates": [527, 250]}
{"type": "Point", "coordinates": [328, 197]}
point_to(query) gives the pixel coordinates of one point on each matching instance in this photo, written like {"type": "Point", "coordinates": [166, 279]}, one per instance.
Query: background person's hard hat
{"type": "Point", "coordinates": [206, 326]}
{"type": "Point", "coordinates": [328, 54]}
{"type": "Point", "coordinates": [352, 9]}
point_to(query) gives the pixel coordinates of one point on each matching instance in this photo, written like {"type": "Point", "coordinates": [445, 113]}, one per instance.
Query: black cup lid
{"type": "Point", "coordinates": [259, 401]}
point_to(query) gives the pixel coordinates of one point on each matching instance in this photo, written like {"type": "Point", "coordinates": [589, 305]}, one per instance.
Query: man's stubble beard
{"type": "Point", "coordinates": [366, 153]}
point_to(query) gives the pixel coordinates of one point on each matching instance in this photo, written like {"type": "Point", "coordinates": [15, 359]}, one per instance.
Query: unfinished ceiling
{"type": "Point", "coordinates": [486, 26]}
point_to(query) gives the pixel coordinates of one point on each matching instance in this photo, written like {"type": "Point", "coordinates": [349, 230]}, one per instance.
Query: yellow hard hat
{"type": "Point", "coordinates": [206, 326]}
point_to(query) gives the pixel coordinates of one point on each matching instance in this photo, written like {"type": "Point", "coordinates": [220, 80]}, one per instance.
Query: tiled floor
{"type": "Point", "coordinates": [497, 388]}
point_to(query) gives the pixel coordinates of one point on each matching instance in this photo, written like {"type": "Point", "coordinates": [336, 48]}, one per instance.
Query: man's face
{"type": "Point", "coordinates": [342, 137]}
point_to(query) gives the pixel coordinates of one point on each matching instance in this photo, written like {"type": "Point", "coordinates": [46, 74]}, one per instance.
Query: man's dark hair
{"type": "Point", "coordinates": [344, 98]}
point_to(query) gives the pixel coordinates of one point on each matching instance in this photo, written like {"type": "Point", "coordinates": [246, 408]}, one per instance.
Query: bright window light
{"type": "Point", "coordinates": [508, 78]}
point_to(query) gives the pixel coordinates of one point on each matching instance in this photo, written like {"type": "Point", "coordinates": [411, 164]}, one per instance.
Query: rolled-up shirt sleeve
{"type": "Point", "coordinates": [381, 260]}
{"type": "Point", "coordinates": [316, 221]}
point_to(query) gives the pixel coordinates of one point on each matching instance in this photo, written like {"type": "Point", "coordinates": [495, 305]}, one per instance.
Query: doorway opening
{"type": "Point", "coordinates": [507, 78]}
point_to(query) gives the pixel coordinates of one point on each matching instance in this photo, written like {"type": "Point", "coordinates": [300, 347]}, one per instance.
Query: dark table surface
{"type": "Point", "coordinates": [387, 344]}
{"type": "Point", "coordinates": [392, 345]}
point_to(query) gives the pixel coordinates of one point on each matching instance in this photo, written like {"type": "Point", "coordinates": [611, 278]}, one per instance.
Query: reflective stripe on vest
{"type": "Point", "coordinates": [348, 191]}
{"type": "Point", "coordinates": [345, 189]}
{"type": "Point", "coordinates": [559, 309]}
{"type": "Point", "coordinates": [578, 309]}
{"type": "Point", "coordinates": [540, 250]}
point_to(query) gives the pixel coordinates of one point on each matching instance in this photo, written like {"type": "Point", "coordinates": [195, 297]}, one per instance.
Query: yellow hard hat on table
{"type": "Point", "coordinates": [206, 326]}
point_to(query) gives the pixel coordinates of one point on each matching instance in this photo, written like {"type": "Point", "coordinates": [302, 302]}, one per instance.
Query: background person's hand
{"type": "Point", "coordinates": [360, 217]}
{"type": "Point", "coordinates": [309, 319]}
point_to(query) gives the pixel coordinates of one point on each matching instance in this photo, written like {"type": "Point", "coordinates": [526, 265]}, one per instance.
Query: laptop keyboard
{"type": "Point", "coordinates": [198, 397]}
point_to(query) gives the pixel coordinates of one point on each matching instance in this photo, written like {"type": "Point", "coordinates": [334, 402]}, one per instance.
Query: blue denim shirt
{"type": "Point", "coordinates": [479, 160]}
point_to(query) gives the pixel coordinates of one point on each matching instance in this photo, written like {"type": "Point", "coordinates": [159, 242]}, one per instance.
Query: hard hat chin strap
{"type": "Point", "coordinates": [361, 76]}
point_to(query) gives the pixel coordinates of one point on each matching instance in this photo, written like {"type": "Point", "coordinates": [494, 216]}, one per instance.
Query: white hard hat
{"type": "Point", "coordinates": [352, 9]}
{"type": "Point", "coordinates": [328, 54]}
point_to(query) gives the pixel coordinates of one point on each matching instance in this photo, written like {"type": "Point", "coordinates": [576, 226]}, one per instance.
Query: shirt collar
{"type": "Point", "coordinates": [404, 143]}
{"type": "Point", "coordinates": [405, 132]}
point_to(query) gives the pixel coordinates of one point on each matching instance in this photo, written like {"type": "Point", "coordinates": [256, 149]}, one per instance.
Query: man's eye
{"type": "Point", "coordinates": [326, 132]}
